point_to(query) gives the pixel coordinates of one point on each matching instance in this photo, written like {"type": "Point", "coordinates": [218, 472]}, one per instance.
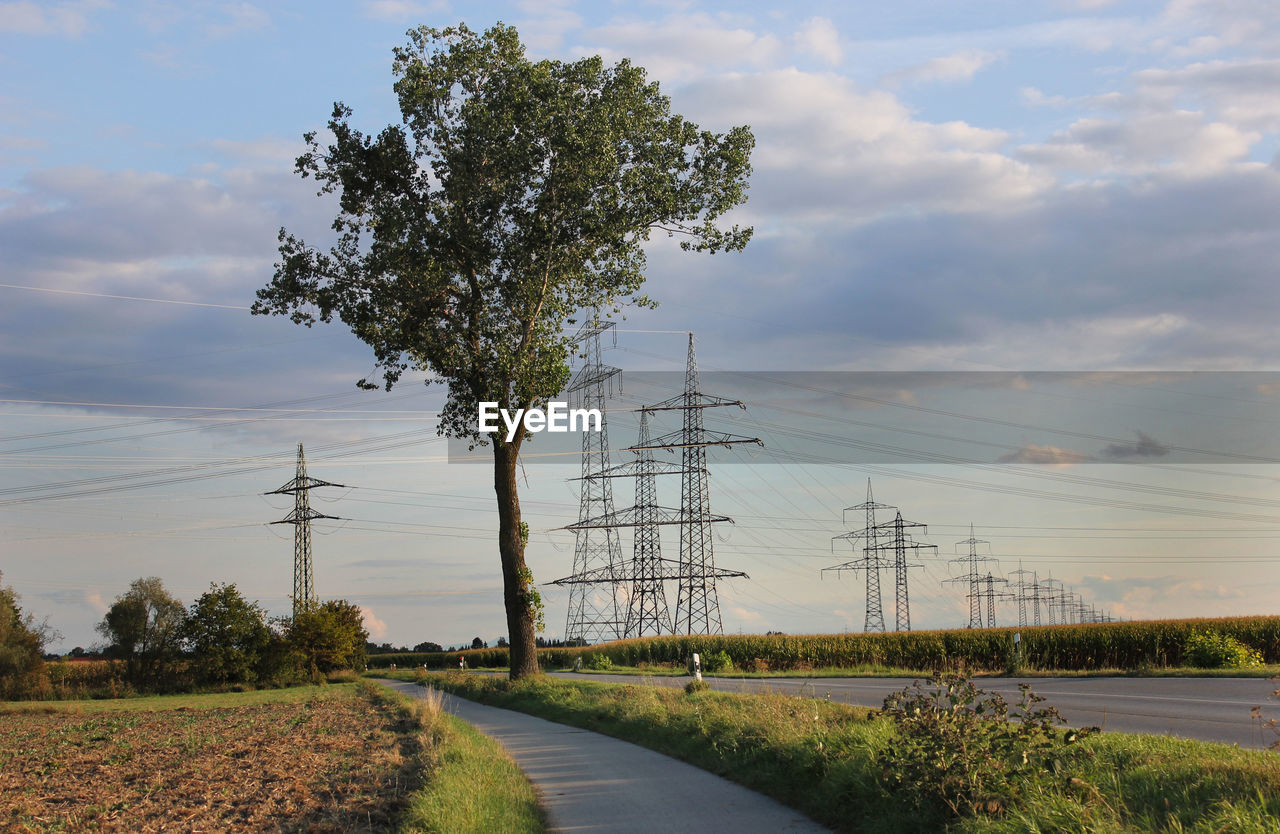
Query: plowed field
{"type": "Point", "coordinates": [332, 762]}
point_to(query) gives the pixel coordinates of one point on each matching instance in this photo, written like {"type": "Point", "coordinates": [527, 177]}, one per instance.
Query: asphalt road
{"type": "Point", "coordinates": [590, 782]}
{"type": "Point", "coordinates": [1210, 709]}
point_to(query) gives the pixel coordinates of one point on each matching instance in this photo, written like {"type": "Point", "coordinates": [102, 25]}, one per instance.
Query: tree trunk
{"type": "Point", "coordinates": [523, 650]}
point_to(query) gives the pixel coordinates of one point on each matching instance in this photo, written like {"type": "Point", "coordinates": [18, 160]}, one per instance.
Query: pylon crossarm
{"type": "Point", "coordinates": [680, 440]}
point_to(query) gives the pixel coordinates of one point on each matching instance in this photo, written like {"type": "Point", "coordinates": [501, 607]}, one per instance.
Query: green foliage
{"type": "Point", "coordinates": [696, 686]}
{"type": "Point", "coordinates": [1214, 650]}
{"type": "Point", "coordinates": [960, 747]}
{"type": "Point", "coordinates": [719, 661]}
{"type": "Point", "coordinates": [530, 596]}
{"type": "Point", "coordinates": [227, 636]}
{"type": "Point", "coordinates": [1152, 644]}
{"type": "Point", "coordinates": [512, 196]}
{"type": "Point", "coordinates": [22, 641]}
{"type": "Point", "coordinates": [826, 760]}
{"type": "Point", "coordinates": [329, 636]}
{"type": "Point", "coordinates": [145, 628]}
{"type": "Point", "coordinates": [599, 662]}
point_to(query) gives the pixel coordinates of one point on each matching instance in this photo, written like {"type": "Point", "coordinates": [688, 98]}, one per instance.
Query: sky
{"type": "Point", "coordinates": [983, 191]}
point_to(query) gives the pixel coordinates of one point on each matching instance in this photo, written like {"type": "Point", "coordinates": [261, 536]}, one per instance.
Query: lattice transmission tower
{"type": "Point", "coordinates": [884, 547]}
{"type": "Point", "coordinates": [597, 556]}
{"type": "Point", "coordinates": [698, 602]}
{"type": "Point", "coordinates": [981, 586]}
{"type": "Point", "coordinates": [871, 562]}
{"type": "Point", "coordinates": [304, 585]}
{"type": "Point", "coordinates": [697, 610]}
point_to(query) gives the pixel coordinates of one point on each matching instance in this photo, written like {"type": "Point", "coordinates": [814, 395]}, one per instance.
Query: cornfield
{"type": "Point", "coordinates": [1154, 643]}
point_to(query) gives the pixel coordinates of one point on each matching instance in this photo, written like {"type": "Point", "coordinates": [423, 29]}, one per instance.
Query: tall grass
{"type": "Point", "coordinates": [829, 760]}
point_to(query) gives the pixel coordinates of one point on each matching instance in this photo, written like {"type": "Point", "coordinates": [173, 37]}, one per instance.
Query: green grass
{"type": "Point", "coordinates": [471, 784]}
{"type": "Point", "coordinates": [210, 700]}
{"type": "Point", "coordinates": [821, 758]}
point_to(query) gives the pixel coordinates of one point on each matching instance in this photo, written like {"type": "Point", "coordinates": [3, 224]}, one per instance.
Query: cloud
{"type": "Point", "coordinates": [401, 11]}
{"type": "Point", "coordinates": [819, 38]}
{"type": "Point", "coordinates": [377, 628]}
{"type": "Point", "coordinates": [1176, 140]}
{"type": "Point", "coordinates": [238, 18]}
{"type": "Point", "coordinates": [959, 66]}
{"type": "Point", "coordinates": [1239, 92]}
{"type": "Point", "coordinates": [829, 151]}
{"type": "Point", "coordinates": [68, 20]}
{"type": "Point", "coordinates": [682, 48]}
{"type": "Point", "coordinates": [1032, 453]}
{"type": "Point", "coordinates": [1145, 447]}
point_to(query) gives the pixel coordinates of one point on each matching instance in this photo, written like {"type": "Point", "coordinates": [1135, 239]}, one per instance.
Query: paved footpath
{"type": "Point", "coordinates": [591, 782]}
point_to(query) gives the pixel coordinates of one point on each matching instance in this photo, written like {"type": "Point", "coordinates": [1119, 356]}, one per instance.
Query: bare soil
{"type": "Point", "coordinates": [327, 764]}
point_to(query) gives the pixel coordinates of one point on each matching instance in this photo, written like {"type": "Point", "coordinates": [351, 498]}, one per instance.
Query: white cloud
{"type": "Point", "coordinates": [239, 17]}
{"type": "Point", "coordinates": [819, 37]}
{"type": "Point", "coordinates": [62, 19]}
{"type": "Point", "coordinates": [826, 149]}
{"type": "Point", "coordinates": [683, 48]}
{"type": "Point", "coordinates": [1241, 92]}
{"type": "Point", "coordinates": [959, 66]}
{"type": "Point", "coordinates": [1176, 140]}
{"type": "Point", "coordinates": [399, 11]}
{"type": "Point", "coordinates": [377, 628]}
{"type": "Point", "coordinates": [1031, 453]}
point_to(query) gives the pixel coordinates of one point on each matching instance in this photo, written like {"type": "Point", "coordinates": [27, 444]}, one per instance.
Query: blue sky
{"type": "Point", "coordinates": [997, 186]}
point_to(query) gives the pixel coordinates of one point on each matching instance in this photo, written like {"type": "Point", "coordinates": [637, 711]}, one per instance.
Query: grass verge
{"type": "Point", "coordinates": [825, 759]}
{"type": "Point", "coordinates": [472, 784]}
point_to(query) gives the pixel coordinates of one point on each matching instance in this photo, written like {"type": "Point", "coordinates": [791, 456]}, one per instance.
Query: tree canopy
{"type": "Point", "coordinates": [227, 634]}
{"type": "Point", "coordinates": [513, 196]}
{"type": "Point", "coordinates": [144, 627]}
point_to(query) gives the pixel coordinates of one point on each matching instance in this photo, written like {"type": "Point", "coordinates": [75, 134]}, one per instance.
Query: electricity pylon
{"type": "Point", "coordinates": [871, 562]}
{"type": "Point", "coordinates": [899, 542]}
{"type": "Point", "coordinates": [976, 579]}
{"type": "Point", "coordinates": [304, 586]}
{"type": "Point", "coordinates": [597, 552]}
{"type": "Point", "coordinates": [698, 603]}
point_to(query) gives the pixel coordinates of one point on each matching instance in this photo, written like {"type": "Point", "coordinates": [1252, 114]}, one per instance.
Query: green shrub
{"type": "Point", "coordinates": [696, 686]}
{"type": "Point", "coordinates": [600, 663]}
{"type": "Point", "coordinates": [1213, 650]}
{"type": "Point", "coordinates": [717, 661]}
{"type": "Point", "coordinates": [959, 747]}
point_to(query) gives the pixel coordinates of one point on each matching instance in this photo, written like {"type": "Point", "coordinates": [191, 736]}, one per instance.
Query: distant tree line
{"type": "Point", "coordinates": [153, 643]}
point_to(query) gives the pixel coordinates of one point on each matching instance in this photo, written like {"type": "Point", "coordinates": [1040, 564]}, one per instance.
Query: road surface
{"type": "Point", "coordinates": [592, 783]}
{"type": "Point", "coordinates": [1209, 709]}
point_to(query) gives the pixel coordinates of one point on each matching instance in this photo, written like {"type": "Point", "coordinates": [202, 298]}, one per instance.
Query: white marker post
{"type": "Point", "coordinates": [697, 666]}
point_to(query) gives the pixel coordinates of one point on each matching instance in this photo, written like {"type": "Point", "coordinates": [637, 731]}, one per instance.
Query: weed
{"type": "Point", "coordinates": [1214, 650]}
{"type": "Point", "coordinates": [960, 746]}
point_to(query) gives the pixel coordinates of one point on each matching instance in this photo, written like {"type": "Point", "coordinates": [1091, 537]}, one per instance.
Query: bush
{"type": "Point", "coordinates": [960, 748]}
{"type": "Point", "coordinates": [696, 686]}
{"type": "Point", "coordinates": [600, 663]}
{"type": "Point", "coordinates": [1213, 650]}
{"type": "Point", "coordinates": [717, 661]}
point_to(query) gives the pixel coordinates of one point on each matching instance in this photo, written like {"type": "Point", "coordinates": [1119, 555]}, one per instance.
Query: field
{"type": "Point", "coordinates": [1146, 646]}
{"type": "Point", "coordinates": [336, 758]}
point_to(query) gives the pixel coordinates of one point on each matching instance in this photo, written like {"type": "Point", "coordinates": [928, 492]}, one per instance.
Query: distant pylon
{"type": "Point", "coordinates": [304, 586]}
{"type": "Point", "coordinates": [597, 551]}
{"type": "Point", "coordinates": [871, 562]}
{"type": "Point", "coordinates": [900, 543]}
{"type": "Point", "coordinates": [1023, 593]}
{"type": "Point", "coordinates": [974, 577]}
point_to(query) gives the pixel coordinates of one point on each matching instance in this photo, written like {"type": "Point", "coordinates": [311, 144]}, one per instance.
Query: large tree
{"type": "Point", "coordinates": [144, 627]}
{"type": "Point", "coordinates": [227, 636]}
{"type": "Point", "coordinates": [515, 195]}
{"type": "Point", "coordinates": [22, 642]}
